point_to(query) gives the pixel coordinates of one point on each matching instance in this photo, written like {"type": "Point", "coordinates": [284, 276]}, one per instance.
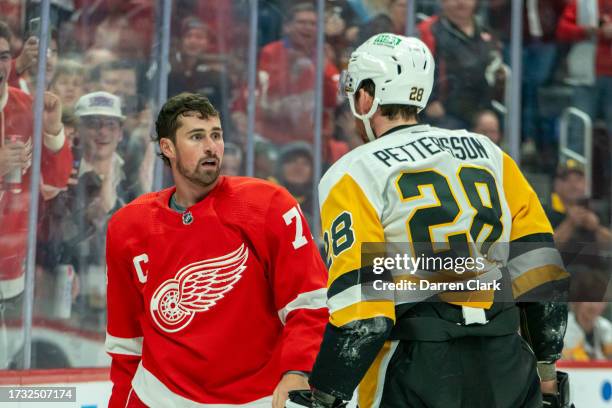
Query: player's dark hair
{"type": "Point", "coordinates": [391, 111]}
{"type": "Point", "coordinates": [5, 32]}
{"type": "Point", "coordinates": [168, 120]}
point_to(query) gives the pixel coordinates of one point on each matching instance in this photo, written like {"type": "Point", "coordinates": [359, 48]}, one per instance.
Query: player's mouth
{"type": "Point", "coordinates": [210, 163]}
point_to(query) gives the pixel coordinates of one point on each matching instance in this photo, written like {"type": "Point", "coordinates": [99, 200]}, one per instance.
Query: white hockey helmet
{"type": "Point", "coordinates": [402, 69]}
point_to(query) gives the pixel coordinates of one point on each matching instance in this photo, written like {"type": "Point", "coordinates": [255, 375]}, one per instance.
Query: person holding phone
{"type": "Point", "coordinates": [574, 222]}
{"type": "Point", "coordinates": [25, 66]}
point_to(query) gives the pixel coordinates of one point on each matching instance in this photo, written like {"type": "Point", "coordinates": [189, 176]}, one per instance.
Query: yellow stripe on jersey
{"type": "Point", "coordinates": [537, 277]}
{"type": "Point", "coordinates": [482, 299]}
{"type": "Point", "coordinates": [346, 196]}
{"type": "Point", "coordinates": [528, 216]}
{"type": "Point", "coordinates": [363, 310]}
{"type": "Point", "coordinates": [369, 387]}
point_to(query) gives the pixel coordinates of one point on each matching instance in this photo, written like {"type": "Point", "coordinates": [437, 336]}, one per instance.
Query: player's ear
{"type": "Point", "coordinates": [167, 147]}
{"type": "Point", "coordinates": [364, 101]}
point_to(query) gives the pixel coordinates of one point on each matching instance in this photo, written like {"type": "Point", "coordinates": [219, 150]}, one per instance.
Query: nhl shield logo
{"type": "Point", "coordinates": [195, 288]}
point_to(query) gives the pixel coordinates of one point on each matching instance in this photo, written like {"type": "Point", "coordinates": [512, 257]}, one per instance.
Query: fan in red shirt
{"type": "Point", "coordinates": [216, 290]}
{"type": "Point", "coordinates": [287, 82]}
{"type": "Point", "coordinates": [16, 131]}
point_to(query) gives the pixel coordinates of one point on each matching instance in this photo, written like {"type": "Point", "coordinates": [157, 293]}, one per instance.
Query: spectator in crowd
{"type": "Point", "coordinates": [341, 31]}
{"type": "Point", "coordinates": [266, 155]}
{"type": "Point", "coordinates": [124, 27]}
{"type": "Point", "coordinates": [589, 334]}
{"type": "Point", "coordinates": [486, 123]}
{"type": "Point", "coordinates": [540, 50]}
{"type": "Point", "coordinates": [77, 232]}
{"type": "Point", "coordinates": [294, 171]}
{"type": "Point", "coordinates": [468, 64]}
{"type": "Point", "coordinates": [68, 82]}
{"type": "Point", "coordinates": [192, 70]}
{"type": "Point", "coordinates": [590, 59]}
{"type": "Point", "coordinates": [93, 57]}
{"type": "Point", "coordinates": [270, 22]}
{"type": "Point", "coordinates": [120, 78]}
{"type": "Point", "coordinates": [286, 82]}
{"type": "Point", "coordinates": [25, 66]}
{"type": "Point", "coordinates": [368, 9]}
{"type": "Point", "coordinates": [16, 133]}
{"type": "Point", "coordinates": [392, 18]}
{"type": "Point", "coordinates": [539, 57]}
{"type": "Point", "coordinates": [569, 212]}
{"type": "Point", "coordinates": [232, 160]}
{"type": "Point", "coordinates": [345, 130]}
{"type": "Point", "coordinates": [578, 231]}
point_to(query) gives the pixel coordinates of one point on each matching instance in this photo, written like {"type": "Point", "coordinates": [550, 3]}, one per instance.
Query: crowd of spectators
{"type": "Point", "coordinates": [102, 74]}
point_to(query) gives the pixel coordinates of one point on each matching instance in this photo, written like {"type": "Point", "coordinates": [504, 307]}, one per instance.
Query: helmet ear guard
{"type": "Point", "coordinates": [365, 118]}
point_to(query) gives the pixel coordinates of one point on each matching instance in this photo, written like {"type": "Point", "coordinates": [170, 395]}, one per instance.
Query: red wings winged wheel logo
{"type": "Point", "coordinates": [196, 288]}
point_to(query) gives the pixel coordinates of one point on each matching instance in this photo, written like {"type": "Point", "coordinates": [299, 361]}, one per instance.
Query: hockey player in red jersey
{"type": "Point", "coordinates": [216, 290]}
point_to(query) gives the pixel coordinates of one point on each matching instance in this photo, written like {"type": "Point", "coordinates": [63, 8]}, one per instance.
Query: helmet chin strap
{"type": "Point", "coordinates": [365, 118]}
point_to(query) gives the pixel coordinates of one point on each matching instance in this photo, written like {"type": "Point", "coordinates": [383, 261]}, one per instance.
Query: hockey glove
{"type": "Point", "coordinates": [562, 398]}
{"type": "Point", "coordinates": [313, 399]}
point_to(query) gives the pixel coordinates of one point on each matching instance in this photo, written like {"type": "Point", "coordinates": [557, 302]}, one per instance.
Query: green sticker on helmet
{"type": "Point", "coordinates": [387, 40]}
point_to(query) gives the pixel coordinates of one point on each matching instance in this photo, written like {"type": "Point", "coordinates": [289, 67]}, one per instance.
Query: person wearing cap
{"type": "Point", "coordinates": [79, 215]}
{"type": "Point", "coordinates": [576, 226]}
{"type": "Point", "coordinates": [99, 132]}
{"type": "Point", "coordinates": [569, 212]}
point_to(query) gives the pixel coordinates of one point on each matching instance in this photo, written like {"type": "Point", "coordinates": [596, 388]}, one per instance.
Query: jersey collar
{"type": "Point", "coordinates": [401, 127]}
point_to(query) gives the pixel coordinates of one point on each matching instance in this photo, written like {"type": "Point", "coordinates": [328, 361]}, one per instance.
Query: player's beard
{"type": "Point", "coordinates": [201, 176]}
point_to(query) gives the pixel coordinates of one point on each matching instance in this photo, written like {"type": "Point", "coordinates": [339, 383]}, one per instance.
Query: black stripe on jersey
{"type": "Point", "coordinates": [356, 277]}
{"type": "Point", "coordinates": [530, 242]}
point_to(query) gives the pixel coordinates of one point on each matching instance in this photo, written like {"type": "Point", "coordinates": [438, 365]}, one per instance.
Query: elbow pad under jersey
{"type": "Point", "coordinates": [543, 326]}
{"type": "Point", "coordinates": [346, 354]}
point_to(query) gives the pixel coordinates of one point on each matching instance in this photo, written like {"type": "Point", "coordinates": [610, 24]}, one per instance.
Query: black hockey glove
{"type": "Point", "coordinates": [562, 398]}
{"type": "Point", "coordinates": [313, 399]}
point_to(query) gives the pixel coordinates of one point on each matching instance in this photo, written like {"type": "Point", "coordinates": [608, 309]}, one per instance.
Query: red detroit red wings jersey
{"type": "Point", "coordinates": [213, 305]}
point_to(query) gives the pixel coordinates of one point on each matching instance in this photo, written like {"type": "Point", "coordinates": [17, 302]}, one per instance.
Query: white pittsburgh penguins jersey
{"type": "Point", "coordinates": [432, 189]}
{"type": "Point", "coordinates": [429, 188]}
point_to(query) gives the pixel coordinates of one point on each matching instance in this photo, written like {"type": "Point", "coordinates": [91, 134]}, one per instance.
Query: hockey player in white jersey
{"type": "Point", "coordinates": [434, 194]}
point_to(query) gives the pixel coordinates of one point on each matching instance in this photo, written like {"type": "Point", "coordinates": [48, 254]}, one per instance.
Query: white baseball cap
{"type": "Point", "coordinates": [99, 104]}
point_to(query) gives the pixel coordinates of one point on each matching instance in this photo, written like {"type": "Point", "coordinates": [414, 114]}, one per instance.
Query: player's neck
{"type": "Point", "coordinates": [383, 125]}
{"type": "Point", "coordinates": [188, 194]}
